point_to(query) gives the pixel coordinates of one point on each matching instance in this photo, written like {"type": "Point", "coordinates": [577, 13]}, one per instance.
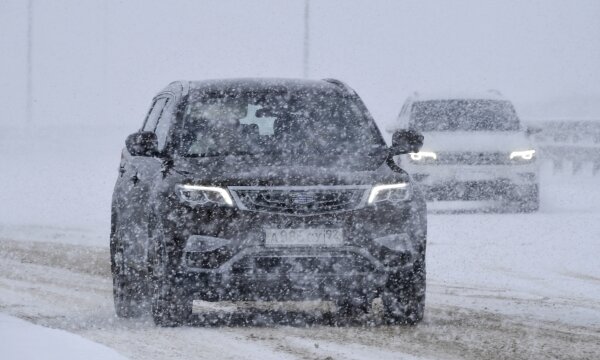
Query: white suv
{"type": "Point", "coordinates": [475, 149]}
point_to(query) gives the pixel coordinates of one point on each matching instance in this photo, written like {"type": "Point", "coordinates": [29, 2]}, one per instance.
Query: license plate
{"type": "Point", "coordinates": [467, 175]}
{"type": "Point", "coordinates": [304, 237]}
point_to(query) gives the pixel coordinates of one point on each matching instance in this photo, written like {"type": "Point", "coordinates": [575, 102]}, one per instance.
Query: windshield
{"type": "Point", "coordinates": [276, 122]}
{"type": "Point", "coordinates": [464, 115]}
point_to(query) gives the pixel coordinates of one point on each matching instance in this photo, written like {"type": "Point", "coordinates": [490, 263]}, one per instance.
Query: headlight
{"type": "Point", "coordinates": [203, 195]}
{"type": "Point", "coordinates": [525, 154]}
{"type": "Point", "coordinates": [422, 155]}
{"type": "Point", "coordinates": [394, 193]}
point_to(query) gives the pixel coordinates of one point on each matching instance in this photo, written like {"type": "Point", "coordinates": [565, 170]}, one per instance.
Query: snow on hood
{"type": "Point", "coordinates": [475, 141]}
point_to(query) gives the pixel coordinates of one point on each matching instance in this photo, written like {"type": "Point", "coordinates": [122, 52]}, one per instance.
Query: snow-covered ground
{"type": "Point", "coordinates": [23, 340]}
{"type": "Point", "coordinates": [515, 286]}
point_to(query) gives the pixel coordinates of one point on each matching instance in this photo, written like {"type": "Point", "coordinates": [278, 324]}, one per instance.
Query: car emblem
{"type": "Point", "coordinates": [302, 198]}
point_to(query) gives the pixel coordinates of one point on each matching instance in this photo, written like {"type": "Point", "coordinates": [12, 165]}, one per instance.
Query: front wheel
{"type": "Point", "coordinates": [171, 303]}
{"type": "Point", "coordinates": [526, 199]}
{"type": "Point", "coordinates": [530, 202]}
{"type": "Point", "coordinates": [404, 296]}
{"type": "Point", "coordinates": [353, 307]}
{"type": "Point", "coordinates": [129, 285]}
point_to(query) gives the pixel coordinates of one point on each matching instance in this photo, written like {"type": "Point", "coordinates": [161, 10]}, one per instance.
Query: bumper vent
{"type": "Point", "coordinates": [339, 263]}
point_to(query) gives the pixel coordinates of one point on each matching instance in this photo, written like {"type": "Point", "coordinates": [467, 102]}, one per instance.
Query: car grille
{"type": "Point", "coordinates": [472, 158]}
{"type": "Point", "coordinates": [300, 200]}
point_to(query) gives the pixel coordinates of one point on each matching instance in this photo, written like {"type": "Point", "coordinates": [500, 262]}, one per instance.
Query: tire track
{"type": "Point", "coordinates": [68, 287]}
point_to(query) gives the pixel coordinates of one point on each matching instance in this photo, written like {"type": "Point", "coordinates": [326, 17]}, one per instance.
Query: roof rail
{"type": "Point", "coordinates": [340, 84]}
{"type": "Point", "coordinates": [184, 85]}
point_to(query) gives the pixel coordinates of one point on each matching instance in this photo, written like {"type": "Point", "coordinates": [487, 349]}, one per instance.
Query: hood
{"type": "Point", "coordinates": [504, 141]}
{"type": "Point", "coordinates": [262, 171]}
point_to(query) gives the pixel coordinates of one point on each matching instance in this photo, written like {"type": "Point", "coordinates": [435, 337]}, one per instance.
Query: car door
{"type": "Point", "coordinates": [136, 177]}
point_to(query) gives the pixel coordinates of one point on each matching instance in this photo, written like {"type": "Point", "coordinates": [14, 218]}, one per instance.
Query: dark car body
{"type": "Point", "coordinates": [263, 189]}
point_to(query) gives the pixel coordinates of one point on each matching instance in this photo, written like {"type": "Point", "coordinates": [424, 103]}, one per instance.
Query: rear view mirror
{"type": "Point", "coordinates": [143, 143]}
{"type": "Point", "coordinates": [406, 141]}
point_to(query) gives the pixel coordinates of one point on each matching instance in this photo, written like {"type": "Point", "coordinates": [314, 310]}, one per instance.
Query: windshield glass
{"type": "Point", "coordinates": [464, 115]}
{"type": "Point", "coordinates": [315, 121]}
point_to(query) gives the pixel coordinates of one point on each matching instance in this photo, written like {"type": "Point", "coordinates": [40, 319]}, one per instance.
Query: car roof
{"type": "Point", "coordinates": [250, 84]}
{"type": "Point", "coordinates": [486, 95]}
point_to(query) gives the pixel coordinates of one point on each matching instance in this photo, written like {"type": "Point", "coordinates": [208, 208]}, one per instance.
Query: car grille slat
{"type": "Point", "coordinates": [299, 201]}
{"type": "Point", "coordinates": [472, 158]}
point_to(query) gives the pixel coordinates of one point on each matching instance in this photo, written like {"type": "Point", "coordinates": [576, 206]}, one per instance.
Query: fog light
{"type": "Point", "coordinates": [200, 243]}
{"type": "Point", "coordinates": [206, 252]}
{"type": "Point", "coordinates": [396, 242]}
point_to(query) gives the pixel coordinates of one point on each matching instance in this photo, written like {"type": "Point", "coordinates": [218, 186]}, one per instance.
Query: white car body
{"type": "Point", "coordinates": [474, 164]}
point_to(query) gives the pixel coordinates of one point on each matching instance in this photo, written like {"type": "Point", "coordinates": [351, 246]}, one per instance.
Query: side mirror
{"type": "Point", "coordinates": [406, 141]}
{"type": "Point", "coordinates": [143, 143]}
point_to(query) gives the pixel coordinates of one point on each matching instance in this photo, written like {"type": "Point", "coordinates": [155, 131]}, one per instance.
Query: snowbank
{"type": "Point", "coordinates": [23, 340]}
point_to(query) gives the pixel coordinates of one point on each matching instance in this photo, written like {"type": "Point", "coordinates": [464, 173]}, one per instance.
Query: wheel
{"type": "Point", "coordinates": [529, 201]}
{"type": "Point", "coordinates": [171, 303]}
{"type": "Point", "coordinates": [129, 285]}
{"type": "Point", "coordinates": [353, 307]}
{"type": "Point", "coordinates": [404, 296]}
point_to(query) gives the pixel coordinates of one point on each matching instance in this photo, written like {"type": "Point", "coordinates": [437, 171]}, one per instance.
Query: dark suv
{"type": "Point", "coordinates": [265, 189]}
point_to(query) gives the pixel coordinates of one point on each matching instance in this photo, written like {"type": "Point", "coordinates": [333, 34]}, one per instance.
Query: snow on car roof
{"type": "Point", "coordinates": [256, 84]}
{"type": "Point", "coordinates": [485, 95]}
{"type": "Point", "coordinates": [261, 83]}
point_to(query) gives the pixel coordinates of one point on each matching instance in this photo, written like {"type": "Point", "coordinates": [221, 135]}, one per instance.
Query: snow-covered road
{"type": "Point", "coordinates": [491, 295]}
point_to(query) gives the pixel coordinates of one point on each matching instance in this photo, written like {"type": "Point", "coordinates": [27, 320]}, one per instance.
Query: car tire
{"type": "Point", "coordinates": [171, 303]}
{"type": "Point", "coordinates": [129, 286]}
{"type": "Point", "coordinates": [531, 201]}
{"type": "Point", "coordinates": [353, 307]}
{"type": "Point", "coordinates": [404, 296]}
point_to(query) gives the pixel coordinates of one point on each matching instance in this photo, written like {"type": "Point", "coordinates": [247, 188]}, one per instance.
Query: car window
{"type": "Point", "coordinates": [403, 116]}
{"type": "Point", "coordinates": [164, 120]}
{"type": "Point", "coordinates": [310, 122]}
{"type": "Point", "coordinates": [154, 114]}
{"type": "Point", "coordinates": [464, 115]}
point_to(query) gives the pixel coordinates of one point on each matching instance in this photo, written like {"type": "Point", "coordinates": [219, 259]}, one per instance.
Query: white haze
{"type": "Point", "coordinates": [527, 281]}
{"type": "Point", "coordinates": [98, 63]}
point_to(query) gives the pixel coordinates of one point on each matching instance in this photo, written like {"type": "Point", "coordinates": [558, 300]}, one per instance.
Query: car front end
{"type": "Point", "coordinates": [280, 241]}
{"type": "Point", "coordinates": [475, 175]}
{"type": "Point", "coordinates": [476, 150]}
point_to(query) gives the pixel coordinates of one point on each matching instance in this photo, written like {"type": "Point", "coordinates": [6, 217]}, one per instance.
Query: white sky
{"type": "Point", "coordinates": [101, 62]}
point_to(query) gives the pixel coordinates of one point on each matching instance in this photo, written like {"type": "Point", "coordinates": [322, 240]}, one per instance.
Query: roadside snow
{"type": "Point", "coordinates": [23, 340]}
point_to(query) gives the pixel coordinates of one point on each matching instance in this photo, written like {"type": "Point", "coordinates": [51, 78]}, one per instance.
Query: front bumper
{"type": "Point", "coordinates": [284, 286]}
{"type": "Point", "coordinates": [234, 264]}
{"type": "Point", "coordinates": [474, 182]}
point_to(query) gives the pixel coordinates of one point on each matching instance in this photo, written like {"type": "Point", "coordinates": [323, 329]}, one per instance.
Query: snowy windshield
{"type": "Point", "coordinates": [464, 115]}
{"type": "Point", "coordinates": [276, 122]}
